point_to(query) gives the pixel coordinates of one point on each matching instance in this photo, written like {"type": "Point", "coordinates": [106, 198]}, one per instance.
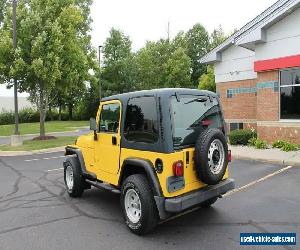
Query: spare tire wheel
{"type": "Point", "coordinates": [211, 156]}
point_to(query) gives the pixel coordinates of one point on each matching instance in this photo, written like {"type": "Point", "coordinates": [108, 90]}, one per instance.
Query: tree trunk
{"type": "Point", "coordinates": [42, 114]}
{"type": "Point", "coordinates": [70, 107]}
{"type": "Point", "coordinates": [59, 111]}
{"type": "Point", "coordinates": [50, 113]}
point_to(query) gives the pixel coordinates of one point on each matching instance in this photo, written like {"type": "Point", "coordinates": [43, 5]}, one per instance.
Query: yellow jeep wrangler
{"type": "Point", "coordinates": [163, 150]}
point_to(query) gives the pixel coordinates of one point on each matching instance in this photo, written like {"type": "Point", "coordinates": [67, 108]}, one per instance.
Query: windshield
{"type": "Point", "coordinates": [191, 115]}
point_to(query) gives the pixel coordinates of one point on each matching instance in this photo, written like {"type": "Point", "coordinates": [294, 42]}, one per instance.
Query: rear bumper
{"type": "Point", "coordinates": [181, 203]}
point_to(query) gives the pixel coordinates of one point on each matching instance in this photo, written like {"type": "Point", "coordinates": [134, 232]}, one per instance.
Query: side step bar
{"type": "Point", "coordinates": [103, 185]}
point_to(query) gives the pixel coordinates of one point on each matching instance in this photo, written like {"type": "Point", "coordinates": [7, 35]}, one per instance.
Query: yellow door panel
{"type": "Point", "coordinates": [107, 152]}
{"type": "Point", "coordinates": [107, 146]}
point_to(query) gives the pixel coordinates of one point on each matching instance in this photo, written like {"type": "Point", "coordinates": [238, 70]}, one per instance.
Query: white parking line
{"type": "Point", "coordinates": [234, 191]}
{"type": "Point", "coordinates": [256, 181]}
{"type": "Point", "coordinates": [55, 169]}
{"type": "Point", "coordinates": [45, 158]}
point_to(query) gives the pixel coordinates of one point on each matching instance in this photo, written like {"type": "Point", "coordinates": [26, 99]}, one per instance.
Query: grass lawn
{"type": "Point", "coordinates": [34, 128]}
{"type": "Point", "coordinates": [34, 145]}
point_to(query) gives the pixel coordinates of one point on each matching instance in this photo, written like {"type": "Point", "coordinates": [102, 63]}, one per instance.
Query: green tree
{"type": "Point", "coordinates": [3, 6]}
{"type": "Point", "coordinates": [177, 70]}
{"type": "Point", "coordinates": [89, 104]}
{"type": "Point", "coordinates": [151, 61]}
{"type": "Point", "coordinates": [180, 40]}
{"type": "Point", "coordinates": [118, 73]}
{"type": "Point", "coordinates": [207, 80]}
{"type": "Point", "coordinates": [217, 37]}
{"type": "Point", "coordinates": [53, 50]}
{"type": "Point", "coordinates": [197, 46]}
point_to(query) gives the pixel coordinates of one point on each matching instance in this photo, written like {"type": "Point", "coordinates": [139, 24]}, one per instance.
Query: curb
{"type": "Point", "coordinates": [242, 157]}
{"type": "Point", "coordinates": [286, 162]}
{"type": "Point", "coordinates": [32, 152]}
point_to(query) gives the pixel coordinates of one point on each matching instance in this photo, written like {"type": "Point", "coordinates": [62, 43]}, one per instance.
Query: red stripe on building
{"type": "Point", "coordinates": [277, 63]}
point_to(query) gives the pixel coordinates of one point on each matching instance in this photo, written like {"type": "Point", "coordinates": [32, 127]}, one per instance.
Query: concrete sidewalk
{"type": "Point", "coordinates": [272, 155]}
{"type": "Point", "coordinates": [79, 131]}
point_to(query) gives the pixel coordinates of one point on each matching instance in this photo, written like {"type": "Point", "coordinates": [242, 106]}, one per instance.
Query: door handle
{"type": "Point", "coordinates": [114, 140]}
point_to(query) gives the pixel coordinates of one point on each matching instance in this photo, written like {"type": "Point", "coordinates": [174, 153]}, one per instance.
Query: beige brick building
{"type": "Point", "coordinates": [257, 73]}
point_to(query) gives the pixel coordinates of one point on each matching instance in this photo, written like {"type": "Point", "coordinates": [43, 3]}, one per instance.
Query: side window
{"type": "Point", "coordinates": [141, 120]}
{"type": "Point", "coordinates": [109, 118]}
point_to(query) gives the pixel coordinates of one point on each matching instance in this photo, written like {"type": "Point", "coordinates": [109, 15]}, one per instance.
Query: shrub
{"type": "Point", "coordinates": [257, 143]}
{"type": "Point", "coordinates": [260, 144]}
{"type": "Point", "coordinates": [7, 118]}
{"type": "Point", "coordinates": [28, 115]}
{"type": "Point", "coordinates": [278, 144]}
{"type": "Point", "coordinates": [241, 136]}
{"type": "Point", "coordinates": [285, 146]}
{"type": "Point", "coordinates": [252, 141]}
{"type": "Point", "coordinates": [290, 147]}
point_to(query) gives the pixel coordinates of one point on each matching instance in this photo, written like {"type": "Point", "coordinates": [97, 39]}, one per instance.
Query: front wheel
{"type": "Point", "coordinates": [138, 204]}
{"type": "Point", "coordinates": [73, 178]}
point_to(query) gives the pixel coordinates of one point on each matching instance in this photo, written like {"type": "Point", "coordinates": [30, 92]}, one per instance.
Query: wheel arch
{"type": "Point", "coordinates": [71, 151]}
{"type": "Point", "coordinates": [140, 166]}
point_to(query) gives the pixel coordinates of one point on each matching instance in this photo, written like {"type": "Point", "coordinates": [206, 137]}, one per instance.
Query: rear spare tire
{"type": "Point", "coordinates": [211, 156]}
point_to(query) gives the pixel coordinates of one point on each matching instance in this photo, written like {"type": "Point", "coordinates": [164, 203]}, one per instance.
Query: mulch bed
{"type": "Point", "coordinates": [43, 138]}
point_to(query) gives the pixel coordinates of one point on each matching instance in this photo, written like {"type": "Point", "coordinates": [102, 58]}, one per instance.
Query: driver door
{"type": "Point", "coordinates": [107, 146]}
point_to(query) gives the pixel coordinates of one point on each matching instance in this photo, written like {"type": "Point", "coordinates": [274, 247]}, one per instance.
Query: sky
{"type": "Point", "coordinates": [144, 20]}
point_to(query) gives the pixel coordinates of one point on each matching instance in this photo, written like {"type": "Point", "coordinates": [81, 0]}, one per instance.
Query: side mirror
{"type": "Point", "coordinates": [93, 125]}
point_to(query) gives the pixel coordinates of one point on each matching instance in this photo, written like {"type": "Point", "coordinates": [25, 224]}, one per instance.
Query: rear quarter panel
{"type": "Point", "coordinates": [191, 180]}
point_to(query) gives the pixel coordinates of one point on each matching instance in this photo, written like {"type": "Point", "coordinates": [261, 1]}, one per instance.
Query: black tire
{"type": "Point", "coordinates": [202, 160]}
{"type": "Point", "coordinates": [209, 202]}
{"type": "Point", "coordinates": [78, 181]}
{"type": "Point", "coordinates": [149, 214]}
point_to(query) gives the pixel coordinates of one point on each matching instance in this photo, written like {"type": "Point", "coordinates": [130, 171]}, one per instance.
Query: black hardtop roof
{"type": "Point", "coordinates": [164, 92]}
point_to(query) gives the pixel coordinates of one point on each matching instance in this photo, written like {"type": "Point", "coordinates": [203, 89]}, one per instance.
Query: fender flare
{"type": "Point", "coordinates": [148, 167]}
{"type": "Point", "coordinates": [76, 151]}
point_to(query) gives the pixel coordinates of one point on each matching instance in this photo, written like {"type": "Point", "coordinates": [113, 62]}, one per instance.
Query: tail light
{"type": "Point", "coordinates": [178, 168]}
{"type": "Point", "coordinates": [229, 156]}
{"type": "Point", "coordinates": [206, 122]}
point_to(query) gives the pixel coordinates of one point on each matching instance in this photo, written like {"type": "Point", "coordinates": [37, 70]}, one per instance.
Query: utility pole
{"type": "Point", "coordinates": [16, 138]}
{"type": "Point", "coordinates": [99, 52]}
{"type": "Point", "coordinates": [15, 80]}
{"type": "Point", "coordinates": [168, 31]}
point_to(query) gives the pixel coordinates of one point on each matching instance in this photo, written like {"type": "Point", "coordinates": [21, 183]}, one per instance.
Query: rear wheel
{"type": "Point", "coordinates": [138, 205]}
{"type": "Point", "coordinates": [73, 177]}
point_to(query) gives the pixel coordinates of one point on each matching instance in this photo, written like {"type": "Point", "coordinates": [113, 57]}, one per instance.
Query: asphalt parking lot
{"type": "Point", "coordinates": [36, 212]}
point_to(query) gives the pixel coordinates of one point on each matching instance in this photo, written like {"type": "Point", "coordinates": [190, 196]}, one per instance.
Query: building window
{"type": "Point", "coordinates": [235, 126]}
{"type": "Point", "coordinates": [229, 93]}
{"type": "Point", "coordinates": [290, 94]}
{"type": "Point", "coordinates": [141, 120]}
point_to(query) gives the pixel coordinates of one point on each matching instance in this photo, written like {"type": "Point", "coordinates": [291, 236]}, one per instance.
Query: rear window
{"type": "Point", "coordinates": [141, 120]}
{"type": "Point", "coordinates": [191, 115]}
